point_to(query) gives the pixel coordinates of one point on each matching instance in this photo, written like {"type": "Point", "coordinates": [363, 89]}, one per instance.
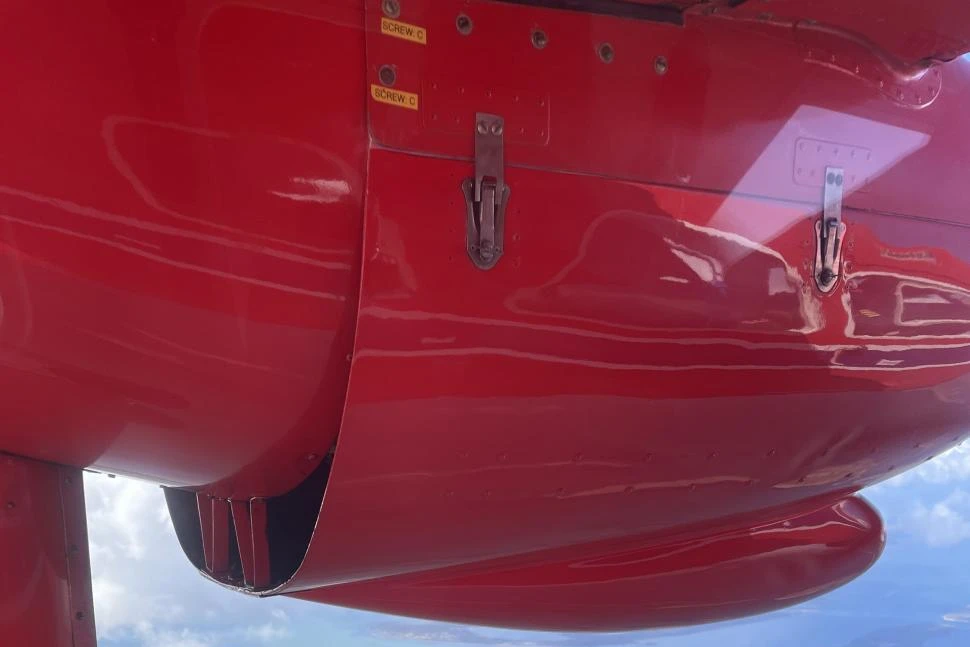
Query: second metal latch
{"type": "Point", "coordinates": [486, 195]}
{"type": "Point", "coordinates": [830, 232]}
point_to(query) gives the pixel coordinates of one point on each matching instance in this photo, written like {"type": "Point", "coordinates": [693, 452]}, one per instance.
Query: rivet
{"type": "Point", "coordinates": [464, 24]}
{"type": "Point", "coordinates": [482, 128]}
{"type": "Point", "coordinates": [391, 8]}
{"type": "Point", "coordinates": [79, 615]}
{"type": "Point", "coordinates": [606, 53]}
{"type": "Point", "coordinates": [387, 75]}
{"type": "Point", "coordinates": [497, 128]}
{"type": "Point", "coordinates": [539, 39]}
{"type": "Point", "coordinates": [11, 505]}
{"type": "Point", "coordinates": [311, 457]}
{"type": "Point", "coordinates": [660, 65]}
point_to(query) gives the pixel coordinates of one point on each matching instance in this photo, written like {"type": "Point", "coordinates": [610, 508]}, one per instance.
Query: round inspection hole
{"type": "Point", "coordinates": [387, 75]}
{"type": "Point", "coordinates": [464, 24]}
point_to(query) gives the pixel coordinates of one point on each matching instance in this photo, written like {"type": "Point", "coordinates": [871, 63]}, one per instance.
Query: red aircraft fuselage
{"type": "Point", "coordinates": [551, 314]}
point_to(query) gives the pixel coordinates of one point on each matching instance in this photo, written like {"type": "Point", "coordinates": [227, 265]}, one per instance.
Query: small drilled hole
{"type": "Point", "coordinates": [539, 39]}
{"type": "Point", "coordinates": [391, 8]}
{"type": "Point", "coordinates": [464, 24]}
{"type": "Point", "coordinates": [606, 53]}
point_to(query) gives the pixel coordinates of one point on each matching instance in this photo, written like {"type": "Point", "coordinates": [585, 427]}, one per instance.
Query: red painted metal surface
{"type": "Point", "coordinates": [249, 521]}
{"type": "Point", "coordinates": [672, 582]}
{"type": "Point", "coordinates": [242, 524]}
{"type": "Point", "coordinates": [181, 250]}
{"type": "Point", "coordinates": [45, 576]}
{"type": "Point", "coordinates": [736, 100]}
{"type": "Point", "coordinates": [911, 32]}
{"type": "Point", "coordinates": [180, 195]}
{"type": "Point", "coordinates": [638, 348]}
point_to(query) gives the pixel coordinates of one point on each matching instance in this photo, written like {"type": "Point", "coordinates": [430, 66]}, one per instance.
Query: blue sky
{"type": "Point", "coordinates": [918, 594]}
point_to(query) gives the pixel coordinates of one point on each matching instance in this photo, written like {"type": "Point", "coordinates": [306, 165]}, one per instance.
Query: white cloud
{"type": "Point", "coordinates": [958, 617]}
{"type": "Point", "coordinates": [951, 466]}
{"type": "Point", "coordinates": [945, 523]}
{"type": "Point", "coordinates": [151, 637]}
{"type": "Point", "coordinates": [146, 593]}
{"type": "Point", "coordinates": [267, 633]}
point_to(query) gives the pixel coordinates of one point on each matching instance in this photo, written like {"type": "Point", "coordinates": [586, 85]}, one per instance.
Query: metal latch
{"type": "Point", "coordinates": [830, 232]}
{"type": "Point", "coordinates": [486, 195]}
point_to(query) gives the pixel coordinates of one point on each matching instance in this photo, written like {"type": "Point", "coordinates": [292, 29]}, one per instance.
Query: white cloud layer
{"type": "Point", "coordinates": [944, 523]}
{"type": "Point", "coordinates": [147, 593]}
{"type": "Point", "coordinates": [951, 466]}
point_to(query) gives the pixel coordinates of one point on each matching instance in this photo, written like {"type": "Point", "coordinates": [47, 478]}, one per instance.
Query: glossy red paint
{"type": "Point", "coordinates": [649, 369]}
{"type": "Point", "coordinates": [45, 582]}
{"type": "Point", "coordinates": [740, 109]}
{"type": "Point", "coordinates": [653, 339]}
{"type": "Point", "coordinates": [180, 222]}
{"type": "Point", "coordinates": [638, 355]}
{"type": "Point", "coordinates": [652, 583]}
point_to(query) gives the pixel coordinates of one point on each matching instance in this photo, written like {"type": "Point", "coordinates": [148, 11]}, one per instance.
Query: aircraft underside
{"type": "Point", "coordinates": [553, 314]}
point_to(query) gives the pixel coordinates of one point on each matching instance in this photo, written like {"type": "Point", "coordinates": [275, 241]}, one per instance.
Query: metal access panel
{"type": "Point", "coordinates": [713, 100]}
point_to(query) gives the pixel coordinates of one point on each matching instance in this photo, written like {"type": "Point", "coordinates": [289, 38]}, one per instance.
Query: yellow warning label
{"type": "Point", "coordinates": [403, 30]}
{"type": "Point", "coordinates": [394, 97]}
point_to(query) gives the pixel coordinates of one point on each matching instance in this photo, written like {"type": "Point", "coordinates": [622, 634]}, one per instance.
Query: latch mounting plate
{"type": "Point", "coordinates": [487, 194]}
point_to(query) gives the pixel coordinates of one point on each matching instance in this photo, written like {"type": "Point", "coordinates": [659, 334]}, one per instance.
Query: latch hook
{"type": "Point", "coordinates": [830, 232]}
{"type": "Point", "coordinates": [486, 195]}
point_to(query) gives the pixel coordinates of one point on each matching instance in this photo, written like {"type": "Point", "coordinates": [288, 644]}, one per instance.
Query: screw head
{"type": "Point", "coordinates": [482, 128]}
{"type": "Point", "coordinates": [387, 75]}
{"type": "Point", "coordinates": [826, 276]}
{"type": "Point", "coordinates": [660, 65]}
{"type": "Point", "coordinates": [539, 39]}
{"type": "Point", "coordinates": [497, 128]}
{"type": "Point", "coordinates": [606, 53]}
{"type": "Point", "coordinates": [464, 24]}
{"type": "Point", "coordinates": [391, 8]}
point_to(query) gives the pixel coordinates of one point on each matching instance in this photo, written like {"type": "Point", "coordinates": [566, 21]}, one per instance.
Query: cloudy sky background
{"type": "Point", "coordinates": [918, 594]}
